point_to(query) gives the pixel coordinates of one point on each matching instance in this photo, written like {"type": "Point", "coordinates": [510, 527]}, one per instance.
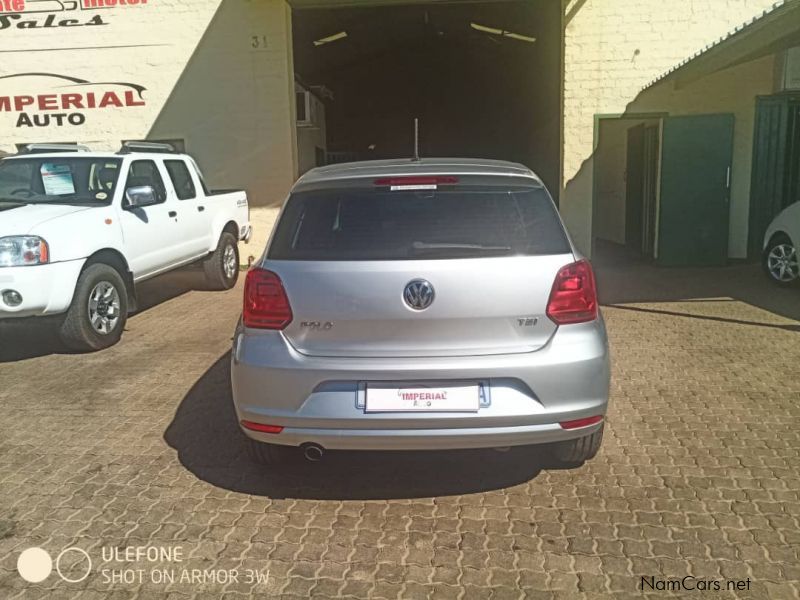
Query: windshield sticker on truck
{"type": "Point", "coordinates": [57, 179]}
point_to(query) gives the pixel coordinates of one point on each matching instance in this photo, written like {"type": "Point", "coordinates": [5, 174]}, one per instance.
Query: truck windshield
{"type": "Point", "coordinates": [377, 224]}
{"type": "Point", "coordinates": [60, 180]}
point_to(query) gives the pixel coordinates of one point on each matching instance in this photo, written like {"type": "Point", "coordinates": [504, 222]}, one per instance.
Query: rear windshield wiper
{"type": "Point", "coordinates": [423, 247]}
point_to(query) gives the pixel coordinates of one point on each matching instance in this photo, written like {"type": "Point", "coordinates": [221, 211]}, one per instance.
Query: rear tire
{"type": "Point", "coordinates": [576, 452]}
{"type": "Point", "coordinates": [271, 454]}
{"type": "Point", "coordinates": [782, 261]}
{"type": "Point", "coordinates": [99, 310]}
{"type": "Point", "coordinates": [222, 267]}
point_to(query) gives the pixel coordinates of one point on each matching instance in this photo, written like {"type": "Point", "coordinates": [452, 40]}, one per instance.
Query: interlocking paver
{"type": "Point", "coordinates": [138, 446]}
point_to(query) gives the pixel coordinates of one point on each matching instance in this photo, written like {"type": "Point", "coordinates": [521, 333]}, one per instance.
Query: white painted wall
{"type": "Point", "coordinates": [217, 74]}
{"type": "Point", "coordinates": [610, 180]}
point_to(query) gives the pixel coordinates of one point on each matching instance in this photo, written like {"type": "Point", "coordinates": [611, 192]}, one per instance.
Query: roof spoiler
{"type": "Point", "coordinates": [153, 147]}
{"type": "Point", "coordinates": [48, 148]}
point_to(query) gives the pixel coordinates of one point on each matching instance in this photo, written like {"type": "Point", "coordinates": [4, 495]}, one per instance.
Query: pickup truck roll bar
{"type": "Point", "coordinates": [152, 147]}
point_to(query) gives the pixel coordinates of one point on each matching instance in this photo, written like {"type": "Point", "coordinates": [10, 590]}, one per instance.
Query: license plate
{"type": "Point", "coordinates": [423, 398]}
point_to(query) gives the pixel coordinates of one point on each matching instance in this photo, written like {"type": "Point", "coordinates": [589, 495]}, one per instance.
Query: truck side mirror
{"type": "Point", "coordinates": [140, 196]}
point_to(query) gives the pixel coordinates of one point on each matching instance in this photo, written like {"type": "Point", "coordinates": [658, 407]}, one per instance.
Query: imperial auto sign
{"type": "Point", "coordinates": [40, 100]}
{"type": "Point", "coordinates": [68, 101]}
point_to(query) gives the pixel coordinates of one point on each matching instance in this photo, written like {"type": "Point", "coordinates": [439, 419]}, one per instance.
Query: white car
{"type": "Point", "coordinates": [782, 247]}
{"type": "Point", "coordinates": [79, 229]}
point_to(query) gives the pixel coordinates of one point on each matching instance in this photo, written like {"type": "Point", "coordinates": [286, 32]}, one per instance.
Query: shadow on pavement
{"type": "Point", "coordinates": [627, 279]}
{"type": "Point", "coordinates": [21, 339]}
{"type": "Point", "coordinates": [209, 444]}
{"type": "Point", "coordinates": [670, 313]}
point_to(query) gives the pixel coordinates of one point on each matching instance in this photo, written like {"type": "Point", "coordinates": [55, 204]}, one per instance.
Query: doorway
{"type": "Point", "coordinates": [641, 189]}
{"type": "Point", "coordinates": [626, 164]}
{"type": "Point", "coordinates": [483, 78]}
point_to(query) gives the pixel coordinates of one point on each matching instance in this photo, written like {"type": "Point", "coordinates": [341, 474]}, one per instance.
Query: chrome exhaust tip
{"type": "Point", "coordinates": [313, 452]}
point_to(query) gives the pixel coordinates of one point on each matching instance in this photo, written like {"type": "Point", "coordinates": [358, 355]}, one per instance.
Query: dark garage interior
{"type": "Point", "coordinates": [482, 78]}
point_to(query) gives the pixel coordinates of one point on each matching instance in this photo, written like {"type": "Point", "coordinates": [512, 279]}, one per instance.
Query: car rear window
{"type": "Point", "coordinates": [379, 224]}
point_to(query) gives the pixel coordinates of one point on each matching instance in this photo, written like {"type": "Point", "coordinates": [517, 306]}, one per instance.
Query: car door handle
{"type": "Point", "coordinates": [201, 208]}
{"type": "Point", "coordinates": [172, 213]}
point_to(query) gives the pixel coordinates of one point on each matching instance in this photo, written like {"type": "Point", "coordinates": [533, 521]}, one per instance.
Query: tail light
{"type": "Point", "coordinates": [266, 305]}
{"type": "Point", "coordinates": [578, 423]}
{"type": "Point", "coordinates": [574, 295]}
{"type": "Point", "coordinates": [260, 427]}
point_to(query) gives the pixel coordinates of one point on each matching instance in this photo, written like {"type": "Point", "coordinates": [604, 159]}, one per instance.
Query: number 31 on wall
{"type": "Point", "coordinates": [258, 42]}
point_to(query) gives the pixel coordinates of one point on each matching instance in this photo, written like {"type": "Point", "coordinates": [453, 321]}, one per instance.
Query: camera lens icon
{"type": "Point", "coordinates": [35, 565]}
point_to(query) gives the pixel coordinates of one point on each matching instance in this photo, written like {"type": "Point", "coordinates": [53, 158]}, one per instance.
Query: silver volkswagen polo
{"type": "Point", "coordinates": [412, 305]}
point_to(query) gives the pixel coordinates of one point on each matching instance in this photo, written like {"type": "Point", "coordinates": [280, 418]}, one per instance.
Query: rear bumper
{"type": "Point", "coordinates": [45, 289]}
{"type": "Point", "coordinates": [422, 439]}
{"type": "Point", "coordinates": [320, 400]}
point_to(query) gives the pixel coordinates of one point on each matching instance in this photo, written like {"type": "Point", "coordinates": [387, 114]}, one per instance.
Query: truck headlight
{"type": "Point", "coordinates": [23, 251]}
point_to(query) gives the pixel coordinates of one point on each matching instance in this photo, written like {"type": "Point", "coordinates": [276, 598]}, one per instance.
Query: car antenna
{"type": "Point", "coordinates": [416, 141]}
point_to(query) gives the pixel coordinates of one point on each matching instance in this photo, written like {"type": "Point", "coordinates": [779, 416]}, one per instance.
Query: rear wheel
{"type": "Point", "coordinates": [271, 454]}
{"type": "Point", "coordinates": [222, 267]}
{"type": "Point", "coordinates": [576, 452]}
{"type": "Point", "coordinates": [99, 310]}
{"type": "Point", "coordinates": [781, 261]}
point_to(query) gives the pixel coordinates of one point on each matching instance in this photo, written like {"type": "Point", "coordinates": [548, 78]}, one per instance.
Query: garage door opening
{"type": "Point", "coordinates": [483, 79]}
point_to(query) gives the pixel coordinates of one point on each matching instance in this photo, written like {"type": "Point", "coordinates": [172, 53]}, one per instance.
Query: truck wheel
{"type": "Point", "coordinates": [781, 261]}
{"type": "Point", "coordinates": [222, 267]}
{"type": "Point", "coordinates": [271, 454]}
{"type": "Point", "coordinates": [99, 310]}
{"type": "Point", "coordinates": [576, 452]}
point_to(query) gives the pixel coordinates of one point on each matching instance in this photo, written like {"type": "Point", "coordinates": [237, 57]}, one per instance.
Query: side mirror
{"type": "Point", "coordinates": [140, 196]}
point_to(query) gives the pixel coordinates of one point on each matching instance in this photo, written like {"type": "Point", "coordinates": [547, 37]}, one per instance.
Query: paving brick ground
{"type": "Point", "coordinates": [137, 445]}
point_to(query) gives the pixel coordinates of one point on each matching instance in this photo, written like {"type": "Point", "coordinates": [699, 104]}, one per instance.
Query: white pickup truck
{"type": "Point", "coordinates": [79, 229]}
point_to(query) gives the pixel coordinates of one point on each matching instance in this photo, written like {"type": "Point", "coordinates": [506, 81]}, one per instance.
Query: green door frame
{"type": "Point", "coordinates": [598, 119]}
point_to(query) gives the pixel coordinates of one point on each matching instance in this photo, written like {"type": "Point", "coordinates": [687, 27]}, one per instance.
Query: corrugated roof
{"type": "Point", "coordinates": [737, 31]}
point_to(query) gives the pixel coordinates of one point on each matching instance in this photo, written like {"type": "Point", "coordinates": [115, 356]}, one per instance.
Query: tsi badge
{"type": "Point", "coordinates": [317, 325]}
